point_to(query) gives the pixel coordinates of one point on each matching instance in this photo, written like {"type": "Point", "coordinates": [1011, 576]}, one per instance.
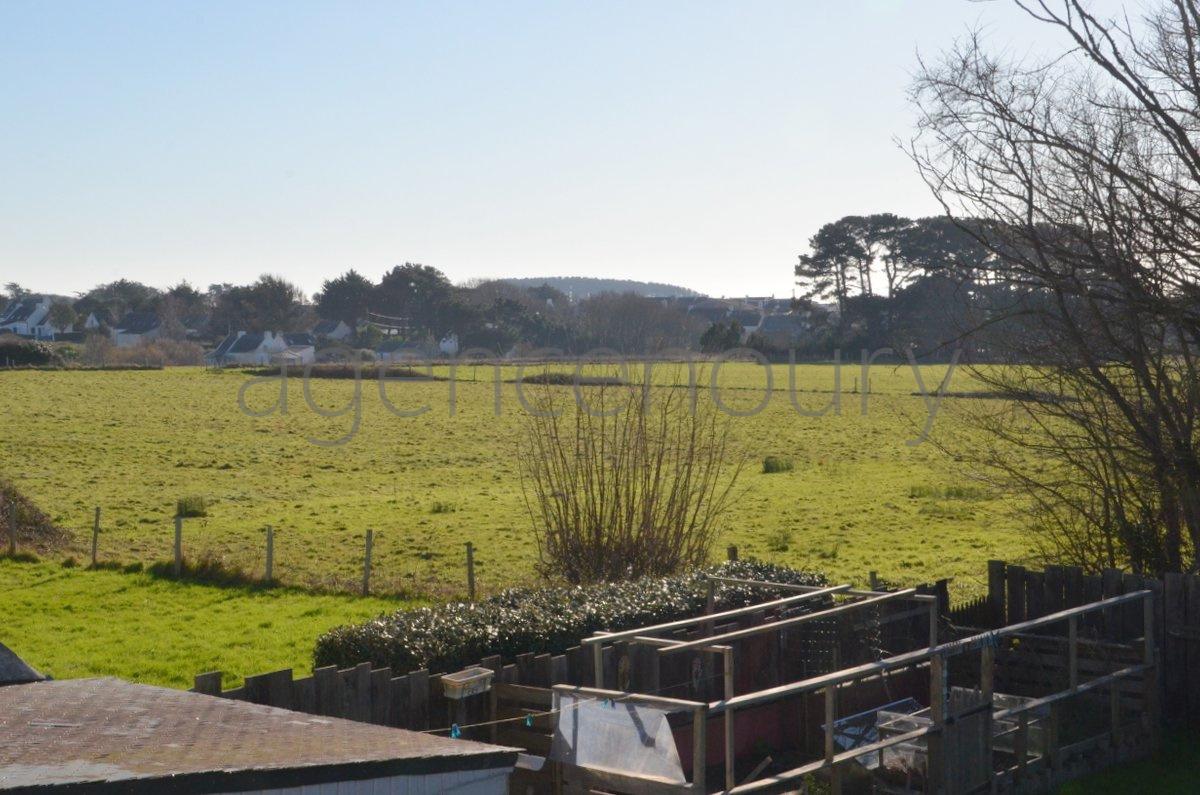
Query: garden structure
{"type": "Point", "coordinates": [809, 686]}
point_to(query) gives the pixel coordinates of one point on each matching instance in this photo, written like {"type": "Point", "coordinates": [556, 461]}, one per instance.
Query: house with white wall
{"type": "Point", "coordinates": [263, 348]}
{"type": "Point", "coordinates": [137, 328]}
{"type": "Point", "coordinates": [24, 316]}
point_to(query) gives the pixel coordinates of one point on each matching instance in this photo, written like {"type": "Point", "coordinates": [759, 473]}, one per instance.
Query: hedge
{"type": "Point", "coordinates": [453, 636]}
{"type": "Point", "coordinates": [18, 352]}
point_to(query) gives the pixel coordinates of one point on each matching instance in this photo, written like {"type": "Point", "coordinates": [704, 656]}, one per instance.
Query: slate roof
{"type": "Point", "coordinates": [325, 327]}
{"type": "Point", "coordinates": [138, 323]}
{"type": "Point", "coordinates": [14, 670]}
{"type": "Point", "coordinates": [299, 340]}
{"type": "Point", "coordinates": [20, 311]}
{"type": "Point", "coordinates": [106, 735]}
{"type": "Point", "coordinates": [223, 347]}
{"type": "Point", "coordinates": [247, 343]}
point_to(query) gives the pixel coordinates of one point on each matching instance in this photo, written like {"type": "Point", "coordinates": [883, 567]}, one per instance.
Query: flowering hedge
{"type": "Point", "coordinates": [550, 620]}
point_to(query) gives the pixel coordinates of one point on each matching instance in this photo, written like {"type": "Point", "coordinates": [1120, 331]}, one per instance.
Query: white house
{"type": "Point", "coordinates": [299, 349]}
{"type": "Point", "coordinates": [263, 348]}
{"type": "Point", "coordinates": [137, 328]}
{"type": "Point", "coordinates": [332, 330]}
{"type": "Point", "coordinates": [24, 316]}
{"type": "Point", "coordinates": [246, 349]}
{"type": "Point", "coordinates": [92, 322]}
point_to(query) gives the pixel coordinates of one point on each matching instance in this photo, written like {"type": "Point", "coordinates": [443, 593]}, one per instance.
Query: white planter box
{"type": "Point", "coordinates": [470, 682]}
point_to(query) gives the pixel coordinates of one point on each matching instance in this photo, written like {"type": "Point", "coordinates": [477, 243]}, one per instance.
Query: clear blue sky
{"type": "Point", "coordinates": [699, 143]}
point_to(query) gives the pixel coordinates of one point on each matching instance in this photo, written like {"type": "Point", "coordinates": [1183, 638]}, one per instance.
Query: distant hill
{"type": "Point", "coordinates": [580, 287]}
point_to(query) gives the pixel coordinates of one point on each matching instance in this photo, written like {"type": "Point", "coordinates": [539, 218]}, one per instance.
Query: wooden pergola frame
{"type": "Point", "coordinates": [718, 643]}
{"type": "Point", "coordinates": [935, 656]}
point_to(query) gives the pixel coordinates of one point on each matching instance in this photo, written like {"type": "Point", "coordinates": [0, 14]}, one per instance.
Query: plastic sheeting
{"type": "Point", "coordinates": [616, 736]}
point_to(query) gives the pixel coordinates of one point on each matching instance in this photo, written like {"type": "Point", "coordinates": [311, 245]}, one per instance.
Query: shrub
{"type": "Point", "coordinates": [774, 463]}
{"type": "Point", "coordinates": [452, 636]}
{"type": "Point", "coordinates": [442, 507]}
{"type": "Point", "coordinates": [17, 352]}
{"type": "Point", "coordinates": [631, 485]}
{"type": "Point", "coordinates": [191, 507]}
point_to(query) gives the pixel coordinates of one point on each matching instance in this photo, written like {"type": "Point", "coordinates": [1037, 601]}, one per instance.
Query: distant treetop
{"type": "Point", "coordinates": [580, 287]}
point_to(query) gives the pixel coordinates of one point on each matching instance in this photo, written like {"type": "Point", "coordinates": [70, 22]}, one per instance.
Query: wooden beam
{"type": "Point", "coordinates": [607, 637]}
{"type": "Point", "coordinates": [788, 622]}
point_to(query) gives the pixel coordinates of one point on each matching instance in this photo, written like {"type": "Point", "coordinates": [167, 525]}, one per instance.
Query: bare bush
{"type": "Point", "coordinates": [625, 481]}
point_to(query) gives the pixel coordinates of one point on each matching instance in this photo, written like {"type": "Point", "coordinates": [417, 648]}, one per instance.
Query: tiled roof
{"type": "Point", "coordinates": [141, 739]}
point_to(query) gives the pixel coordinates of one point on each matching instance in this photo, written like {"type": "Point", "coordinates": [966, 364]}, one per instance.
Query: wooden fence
{"type": "Point", "coordinates": [1017, 594]}
{"type": "Point", "coordinates": [415, 700]}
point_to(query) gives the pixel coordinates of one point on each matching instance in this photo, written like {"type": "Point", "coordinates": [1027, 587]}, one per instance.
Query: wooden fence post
{"type": "Point", "coordinates": [732, 552]}
{"type": "Point", "coordinates": [95, 536]}
{"type": "Point", "coordinates": [270, 554]}
{"type": "Point", "coordinates": [178, 545]}
{"type": "Point", "coordinates": [12, 528]}
{"type": "Point", "coordinates": [996, 578]}
{"type": "Point", "coordinates": [366, 583]}
{"type": "Point", "coordinates": [470, 571]}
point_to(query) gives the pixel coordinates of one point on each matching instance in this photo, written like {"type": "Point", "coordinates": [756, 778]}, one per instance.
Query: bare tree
{"type": "Point", "coordinates": [1081, 175]}
{"type": "Point", "coordinates": [625, 481]}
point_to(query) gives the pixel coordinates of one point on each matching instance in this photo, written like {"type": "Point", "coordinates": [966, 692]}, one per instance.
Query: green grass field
{"type": "Point", "coordinates": [72, 622]}
{"type": "Point", "coordinates": [858, 499]}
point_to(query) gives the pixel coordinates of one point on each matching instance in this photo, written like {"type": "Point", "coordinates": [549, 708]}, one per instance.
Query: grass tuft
{"type": "Point", "coordinates": [192, 507]}
{"type": "Point", "coordinates": [773, 463]}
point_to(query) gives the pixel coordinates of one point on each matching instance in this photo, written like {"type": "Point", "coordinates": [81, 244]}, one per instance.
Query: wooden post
{"type": "Point", "coordinates": [730, 781]}
{"type": "Point", "coordinates": [598, 664]}
{"type": "Point", "coordinates": [987, 686]}
{"type": "Point", "coordinates": [732, 552]}
{"type": "Point", "coordinates": [933, 623]}
{"type": "Point", "coordinates": [366, 583]}
{"type": "Point", "coordinates": [937, 712]}
{"type": "Point", "coordinates": [470, 571]}
{"type": "Point", "coordinates": [996, 578]}
{"type": "Point", "coordinates": [95, 536]}
{"type": "Point", "coordinates": [699, 747]}
{"type": "Point", "coordinates": [270, 554]}
{"type": "Point", "coordinates": [178, 546]}
{"type": "Point", "coordinates": [873, 579]}
{"type": "Point", "coordinates": [835, 778]}
{"type": "Point", "coordinates": [1073, 652]}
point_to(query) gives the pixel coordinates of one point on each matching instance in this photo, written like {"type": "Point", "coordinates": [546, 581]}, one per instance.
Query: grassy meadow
{"type": "Point", "coordinates": [858, 497]}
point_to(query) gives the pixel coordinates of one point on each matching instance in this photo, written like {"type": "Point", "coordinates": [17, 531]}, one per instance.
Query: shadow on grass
{"type": "Point", "coordinates": [209, 571]}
